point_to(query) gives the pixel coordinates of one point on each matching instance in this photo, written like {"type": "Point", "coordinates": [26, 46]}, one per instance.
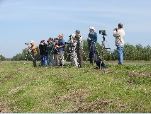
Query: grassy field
{"type": "Point", "coordinates": [124, 88]}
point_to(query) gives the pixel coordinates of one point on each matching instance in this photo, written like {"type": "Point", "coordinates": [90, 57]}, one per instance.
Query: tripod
{"type": "Point", "coordinates": [104, 48]}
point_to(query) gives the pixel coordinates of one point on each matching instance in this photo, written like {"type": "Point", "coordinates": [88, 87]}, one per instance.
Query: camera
{"type": "Point", "coordinates": [70, 36]}
{"type": "Point", "coordinates": [27, 43]}
{"type": "Point", "coordinates": [67, 43]}
{"type": "Point", "coordinates": [102, 32]}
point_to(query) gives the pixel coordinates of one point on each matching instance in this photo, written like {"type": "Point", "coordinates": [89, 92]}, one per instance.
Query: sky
{"type": "Point", "coordinates": [25, 20]}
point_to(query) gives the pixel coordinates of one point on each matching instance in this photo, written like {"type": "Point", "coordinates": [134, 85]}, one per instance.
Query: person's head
{"type": "Point", "coordinates": [77, 32]}
{"type": "Point", "coordinates": [49, 40]}
{"type": "Point", "coordinates": [55, 40]}
{"type": "Point", "coordinates": [120, 26]}
{"type": "Point", "coordinates": [60, 36]}
{"type": "Point", "coordinates": [42, 41]}
{"type": "Point", "coordinates": [91, 29]}
{"type": "Point", "coordinates": [32, 42]}
{"type": "Point", "coordinates": [115, 29]}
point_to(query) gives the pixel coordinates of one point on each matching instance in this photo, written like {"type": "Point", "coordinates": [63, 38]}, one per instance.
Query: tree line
{"type": "Point", "coordinates": [2, 58]}
{"type": "Point", "coordinates": [131, 52]}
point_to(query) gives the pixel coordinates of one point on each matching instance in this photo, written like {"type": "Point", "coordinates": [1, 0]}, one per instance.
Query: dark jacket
{"type": "Point", "coordinates": [50, 48]}
{"type": "Point", "coordinates": [43, 49]}
{"type": "Point", "coordinates": [93, 37]}
{"type": "Point", "coordinates": [55, 49]}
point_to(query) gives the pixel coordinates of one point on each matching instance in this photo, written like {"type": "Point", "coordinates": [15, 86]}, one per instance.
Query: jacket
{"type": "Point", "coordinates": [43, 49]}
{"type": "Point", "coordinates": [61, 44]}
{"type": "Point", "coordinates": [92, 37]}
{"type": "Point", "coordinates": [119, 37]}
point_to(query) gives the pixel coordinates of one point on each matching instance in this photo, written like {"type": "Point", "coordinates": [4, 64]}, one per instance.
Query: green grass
{"type": "Point", "coordinates": [124, 88]}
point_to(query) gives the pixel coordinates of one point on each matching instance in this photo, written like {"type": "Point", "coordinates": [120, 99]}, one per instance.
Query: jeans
{"type": "Point", "coordinates": [120, 54]}
{"type": "Point", "coordinates": [44, 61]}
{"type": "Point", "coordinates": [92, 52]}
{"type": "Point", "coordinates": [50, 60]}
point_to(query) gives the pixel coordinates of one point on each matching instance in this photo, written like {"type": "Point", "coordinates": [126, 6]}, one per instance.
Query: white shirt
{"type": "Point", "coordinates": [81, 40]}
{"type": "Point", "coordinates": [119, 37]}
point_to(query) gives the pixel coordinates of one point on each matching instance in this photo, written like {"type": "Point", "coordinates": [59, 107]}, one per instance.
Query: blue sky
{"type": "Point", "coordinates": [25, 20]}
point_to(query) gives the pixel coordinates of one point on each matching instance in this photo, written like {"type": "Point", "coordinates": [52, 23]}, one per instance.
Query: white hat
{"type": "Point", "coordinates": [91, 28]}
{"type": "Point", "coordinates": [73, 35]}
{"type": "Point", "coordinates": [31, 41]}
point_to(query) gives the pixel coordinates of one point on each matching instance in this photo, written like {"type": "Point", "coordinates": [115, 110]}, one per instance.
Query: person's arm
{"type": "Point", "coordinates": [95, 37]}
{"type": "Point", "coordinates": [52, 48]}
{"type": "Point", "coordinates": [89, 39]}
{"type": "Point", "coordinates": [40, 47]}
{"type": "Point", "coordinates": [116, 34]}
{"type": "Point", "coordinates": [81, 42]}
{"type": "Point", "coordinates": [34, 47]}
{"type": "Point", "coordinates": [62, 44]}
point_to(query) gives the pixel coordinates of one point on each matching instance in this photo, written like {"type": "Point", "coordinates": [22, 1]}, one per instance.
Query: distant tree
{"type": "Point", "coordinates": [24, 55]}
{"type": "Point", "coordinates": [2, 58]}
{"type": "Point", "coordinates": [137, 52]}
{"type": "Point", "coordinates": [131, 52]}
{"type": "Point", "coordinates": [146, 53]}
{"type": "Point", "coordinates": [85, 50]}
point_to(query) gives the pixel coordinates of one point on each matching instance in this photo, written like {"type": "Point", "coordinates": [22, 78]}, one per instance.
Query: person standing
{"type": "Point", "coordinates": [43, 53]}
{"type": "Point", "coordinates": [72, 44]}
{"type": "Point", "coordinates": [79, 48]}
{"type": "Point", "coordinates": [50, 48]}
{"type": "Point", "coordinates": [92, 39]}
{"type": "Point", "coordinates": [61, 46]}
{"type": "Point", "coordinates": [34, 52]}
{"type": "Point", "coordinates": [56, 52]}
{"type": "Point", "coordinates": [119, 34]}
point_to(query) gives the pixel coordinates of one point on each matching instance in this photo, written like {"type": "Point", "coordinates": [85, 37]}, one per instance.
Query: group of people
{"type": "Point", "coordinates": [52, 51]}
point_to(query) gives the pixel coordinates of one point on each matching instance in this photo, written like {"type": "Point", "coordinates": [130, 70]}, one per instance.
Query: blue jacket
{"type": "Point", "coordinates": [93, 37]}
{"type": "Point", "coordinates": [61, 42]}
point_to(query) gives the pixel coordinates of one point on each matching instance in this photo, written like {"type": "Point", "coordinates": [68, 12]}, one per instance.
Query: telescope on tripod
{"type": "Point", "coordinates": [103, 33]}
